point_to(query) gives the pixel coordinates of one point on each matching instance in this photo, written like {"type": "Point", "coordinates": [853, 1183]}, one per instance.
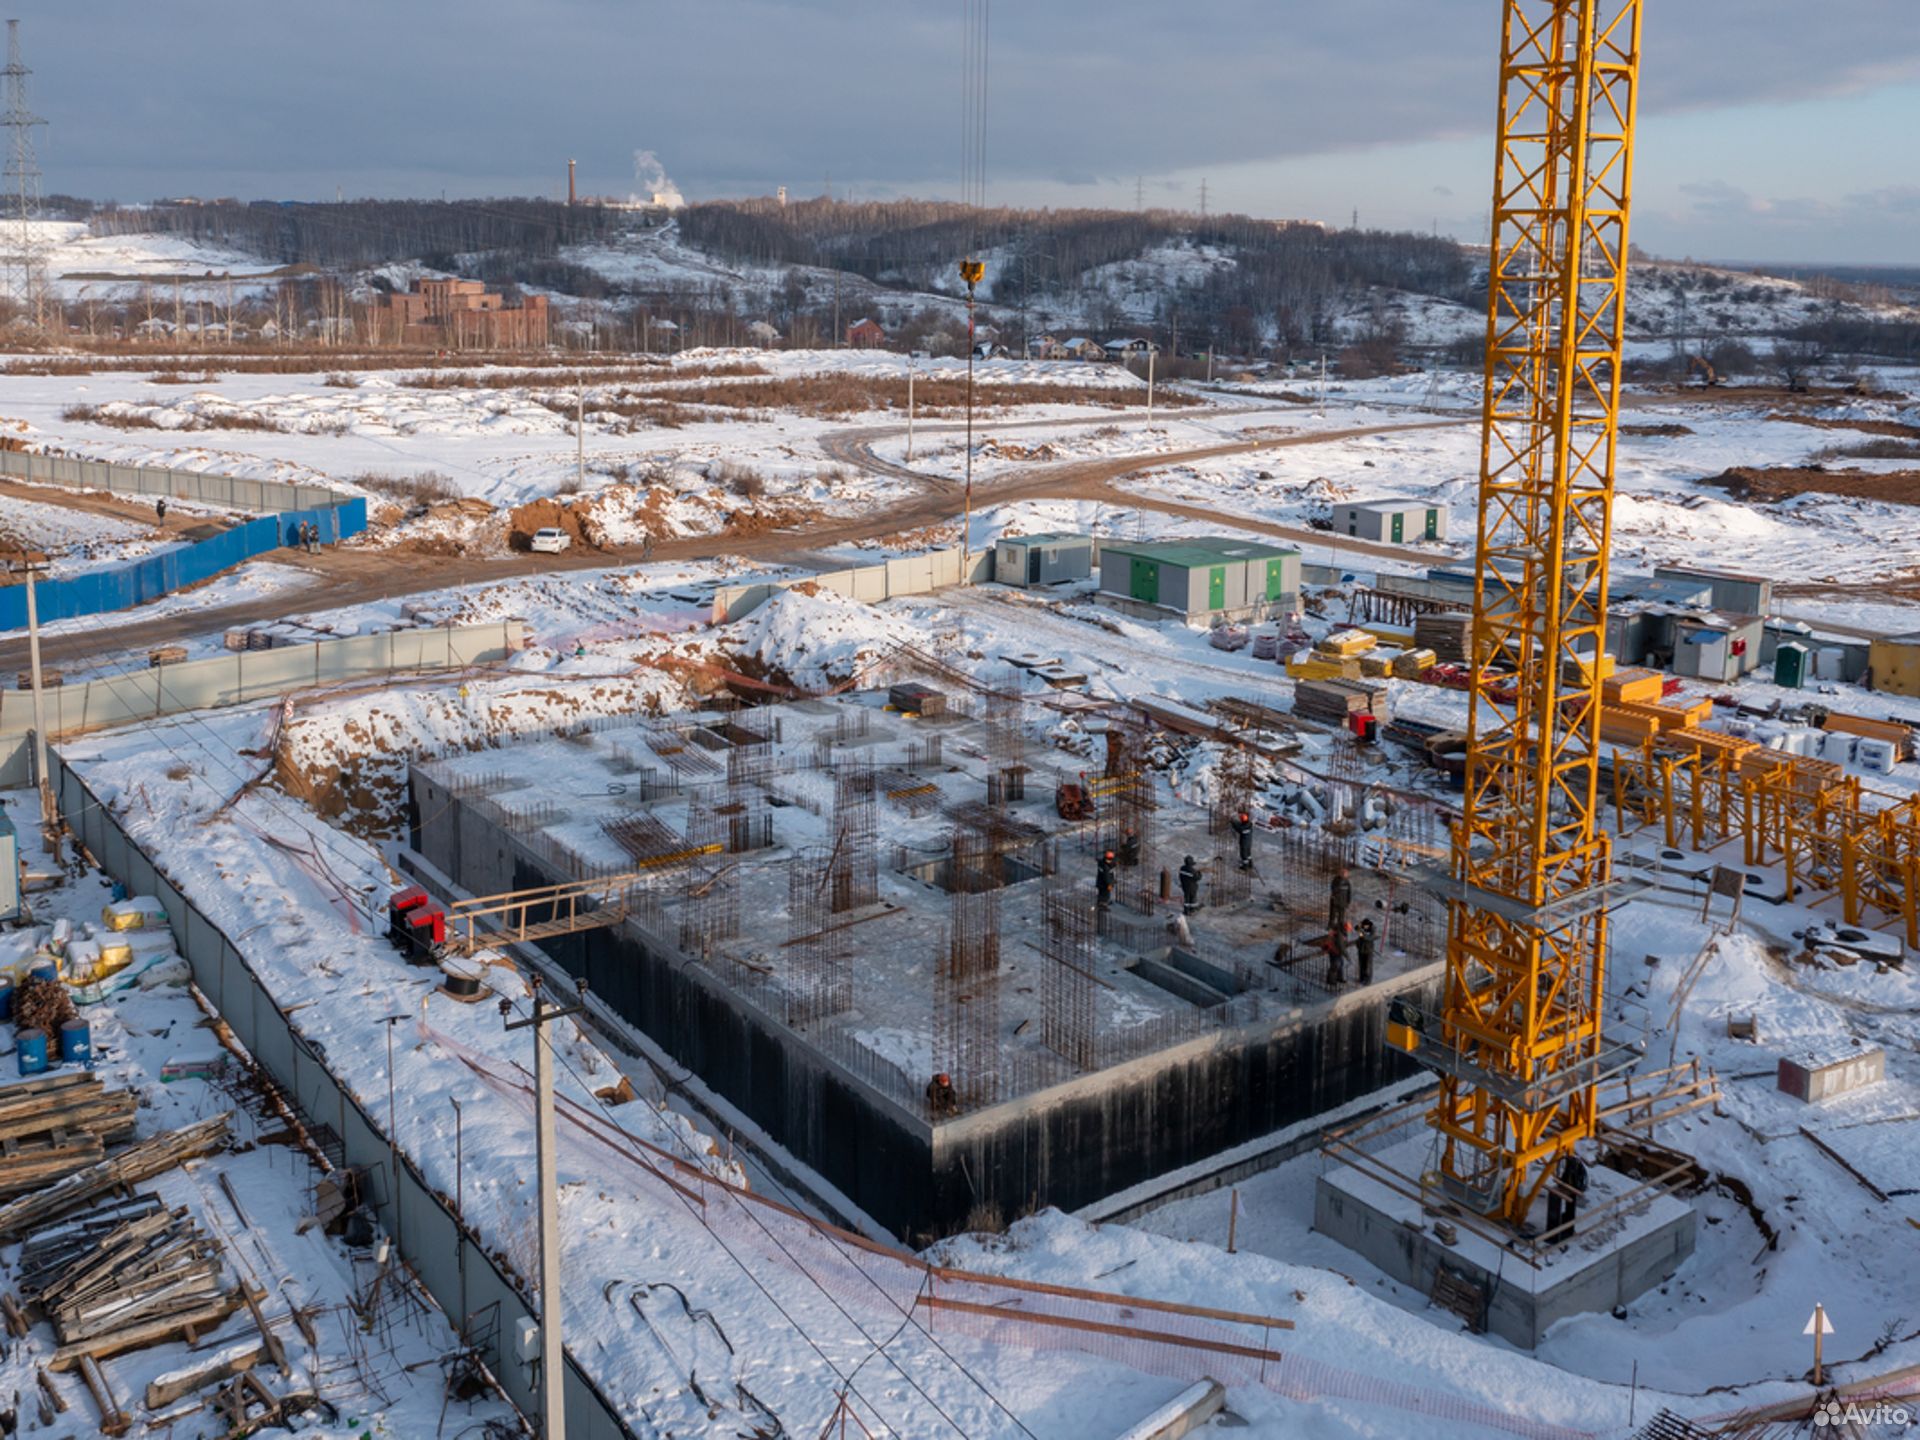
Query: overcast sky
{"type": "Point", "coordinates": [1773, 129]}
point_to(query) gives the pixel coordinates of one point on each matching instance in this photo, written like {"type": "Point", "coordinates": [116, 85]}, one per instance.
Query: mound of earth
{"type": "Point", "coordinates": [1784, 482]}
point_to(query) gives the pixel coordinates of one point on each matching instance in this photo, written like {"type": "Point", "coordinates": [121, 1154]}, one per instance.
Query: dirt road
{"type": "Point", "coordinates": [356, 576]}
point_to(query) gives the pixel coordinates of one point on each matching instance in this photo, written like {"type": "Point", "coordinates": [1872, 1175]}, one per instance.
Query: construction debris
{"type": "Point", "coordinates": [142, 1161]}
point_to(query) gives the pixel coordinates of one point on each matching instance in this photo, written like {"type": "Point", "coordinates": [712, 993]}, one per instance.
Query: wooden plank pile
{"type": "Point", "coordinates": [1448, 634]}
{"type": "Point", "coordinates": [55, 1125]}
{"type": "Point", "coordinates": [140, 1161]}
{"type": "Point", "coordinates": [1335, 702]}
{"type": "Point", "coordinates": [122, 1276]}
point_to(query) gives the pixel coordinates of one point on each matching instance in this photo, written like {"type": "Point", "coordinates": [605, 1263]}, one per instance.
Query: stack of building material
{"type": "Point", "coordinates": [1336, 702]}
{"type": "Point", "coordinates": [1412, 664]}
{"type": "Point", "coordinates": [56, 1125]}
{"type": "Point", "coordinates": [141, 1161]}
{"type": "Point", "coordinates": [1632, 687]}
{"type": "Point", "coordinates": [1629, 723]}
{"type": "Point", "coordinates": [1378, 664]}
{"type": "Point", "coordinates": [1449, 635]}
{"type": "Point", "coordinates": [1346, 644]}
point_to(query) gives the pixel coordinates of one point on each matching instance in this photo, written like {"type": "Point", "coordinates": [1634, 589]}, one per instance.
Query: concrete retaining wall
{"type": "Point", "coordinates": [1067, 1145]}
{"type": "Point", "coordinates": [226, 491]}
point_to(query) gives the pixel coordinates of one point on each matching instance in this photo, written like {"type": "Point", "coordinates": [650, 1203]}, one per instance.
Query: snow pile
{"type": "Point", "coordinates": [814, 639]}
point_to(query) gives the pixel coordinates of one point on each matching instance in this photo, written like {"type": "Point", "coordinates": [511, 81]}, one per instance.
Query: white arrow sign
{"type": "Point", "coordinates": [1818, 1323]}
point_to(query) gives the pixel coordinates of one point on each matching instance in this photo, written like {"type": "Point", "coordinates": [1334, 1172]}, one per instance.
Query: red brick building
{"type": "Point", "coordinates": [460, 315]}
{"type": "Point", "coordinates": [866, 334]}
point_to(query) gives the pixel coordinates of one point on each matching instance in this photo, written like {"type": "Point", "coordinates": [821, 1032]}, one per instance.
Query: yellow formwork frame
{"type": "Point", "coordinates": [1523, 1004]}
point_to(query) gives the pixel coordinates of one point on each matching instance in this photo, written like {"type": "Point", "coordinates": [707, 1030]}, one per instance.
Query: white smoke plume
{"type": "Point", "coordinates": [656, 186]}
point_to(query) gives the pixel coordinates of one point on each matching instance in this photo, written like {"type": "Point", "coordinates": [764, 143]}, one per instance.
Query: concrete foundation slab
{"type": "Point", "coordinates": [1622, 1258]}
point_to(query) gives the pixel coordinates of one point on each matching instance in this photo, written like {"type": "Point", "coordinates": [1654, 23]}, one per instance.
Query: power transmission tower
{"type": "Point", "coordinates": [1139, 192]}
{"type": "Point", "coordinates": [1203, 198]}
{"type": "Point", "coordinates": [22, 268]}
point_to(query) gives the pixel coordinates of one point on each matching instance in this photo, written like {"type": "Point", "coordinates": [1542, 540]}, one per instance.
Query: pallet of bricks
{"type": "Point", "coordinates": [1336, 702]}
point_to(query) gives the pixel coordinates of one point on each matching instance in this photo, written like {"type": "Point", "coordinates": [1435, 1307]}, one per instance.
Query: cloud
{"type": "Point", "coordinates": [742, 95]}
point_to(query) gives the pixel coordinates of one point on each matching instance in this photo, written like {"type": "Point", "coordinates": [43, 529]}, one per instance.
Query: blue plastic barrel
{"type": "Point", "coordinates": [33, 1051]}
{"type": "Point", "coordinates": [44, 970]}
{"type": "Point", "coordinates": [76, 1042]}
{"type": "Point", "coordinates": [6, 999]}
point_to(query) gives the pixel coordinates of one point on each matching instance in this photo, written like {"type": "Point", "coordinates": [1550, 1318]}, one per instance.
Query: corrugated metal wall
{"type": "Point", "coordinates": [124, 586]}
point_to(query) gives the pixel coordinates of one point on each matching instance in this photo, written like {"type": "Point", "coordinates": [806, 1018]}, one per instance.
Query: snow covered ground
{"type": "Point", "coordinates": [73, 540]}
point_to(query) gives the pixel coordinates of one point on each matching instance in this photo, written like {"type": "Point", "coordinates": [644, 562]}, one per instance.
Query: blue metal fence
{"type": "Point", "coordinates": [125, 586]}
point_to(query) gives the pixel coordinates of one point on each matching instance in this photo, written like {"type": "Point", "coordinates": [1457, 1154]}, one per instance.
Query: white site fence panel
{"type": "Point", "coordinates": [237, 678]}
{"type": "Point", "coordinates": [228, 491]}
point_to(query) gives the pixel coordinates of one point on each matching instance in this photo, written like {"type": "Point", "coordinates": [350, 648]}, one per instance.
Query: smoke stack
{"type": "Point", "coordinates": [570, 192]}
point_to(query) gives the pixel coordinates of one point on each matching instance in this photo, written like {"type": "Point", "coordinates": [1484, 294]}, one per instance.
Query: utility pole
{"type": "Point", "coordinates": [909, 409]}
{"type": "Point", "coordinates": [29, 563]}
{"type": "Point", "coordinates": [553, 1415]}
{"type": "Point", "coordinates": [1209, 362]}
{"type": "Point", "coordinates": [1139, 192]}
{"type": "Point", "coordinates": [971, 271]}
{"type": "Point", "coordinates": [1203, 197]}
{"type": "Point", "coordinates": [1151, 354]}
{"type": "Point", "coordinates": [580, 436]}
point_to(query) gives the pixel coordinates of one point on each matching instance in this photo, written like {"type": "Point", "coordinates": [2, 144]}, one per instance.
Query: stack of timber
{"type": "Point", "coordinates": [140, 1161]}
{"type": "Point", "coordinates": [1448, 635]}
{"type": "Point", "coordinates": [56, 1125]}
{"type": "Point", "coordinates": [123, 1275]}
{"type": "Point", "coordinates": [1335, 702]}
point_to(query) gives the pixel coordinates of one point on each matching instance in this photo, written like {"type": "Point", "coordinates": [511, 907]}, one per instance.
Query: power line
{"type": "Point", "coordinates": [22, 263]}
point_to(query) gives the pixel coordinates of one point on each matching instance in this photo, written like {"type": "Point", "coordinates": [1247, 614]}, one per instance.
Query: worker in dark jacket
{"type": "Point", "coordinates": [1363, 951]}
{"type": "Point", "coordinates": [1339, 899]}
{"type": "Point", "coordinates": [1190, 884]}
{"type": "Point", "coordinates": [1129, 847]}
{"type": "Point", "coordinates": [941, 1097]}
{"type": "Point", "coordinates": [1103, 879]}
{"type": "Point", "coordinates": [1337, 956]}
{"type": "Point", "coordinates": [1243, 830]}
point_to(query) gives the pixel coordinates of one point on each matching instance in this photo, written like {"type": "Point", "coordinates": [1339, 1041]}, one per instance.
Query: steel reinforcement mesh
{"type": "Point", "coordinates": [881, 1289]}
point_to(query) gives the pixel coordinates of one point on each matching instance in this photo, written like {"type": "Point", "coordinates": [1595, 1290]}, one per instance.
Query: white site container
{"type": "Point", "coordinates": [1838, 747]}
{"type": "Point", "coordinates": [1879, 756]}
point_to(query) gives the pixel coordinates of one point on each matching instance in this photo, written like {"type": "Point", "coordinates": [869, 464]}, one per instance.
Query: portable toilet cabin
{"type": "Point", "coordinates": [1791, 662]}
{"type": "Point", "coordinates": [1025, 560]}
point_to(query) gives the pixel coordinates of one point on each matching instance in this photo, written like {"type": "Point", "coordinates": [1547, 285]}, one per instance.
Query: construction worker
{"type": "Point", "coordinates": [1337, 956]}
{"type": "Point", "coordinates": [942, 1099]}
{"type": "Point", "coordinates": [1189, 885]}
{"type": "Point", "coordinates": [1339, 899]}
{"type": "Point", "coordinates": [1363, 951]}
{"type": "Point", "coordinates": [1103, 879]}
{"type": "Point", "coordinates": [160, 509]}
{"type": "Point", "coordinates": [1564, 1194]}
{"type": "Point", "coordinates": [1129, 847]}
{"type": "Point", "coordinates": [1243, 828]}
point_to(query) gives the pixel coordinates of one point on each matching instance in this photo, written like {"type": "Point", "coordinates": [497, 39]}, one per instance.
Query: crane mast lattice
{"type": "Point", "coordinates": [1526, 943]}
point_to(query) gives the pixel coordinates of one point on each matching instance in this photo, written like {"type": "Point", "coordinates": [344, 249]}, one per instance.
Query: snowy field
{"type": "Point", "coordinates": [73, 540]}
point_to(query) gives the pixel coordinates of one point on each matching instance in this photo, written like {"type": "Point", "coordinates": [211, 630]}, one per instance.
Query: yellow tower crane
{"type": "Point", "coordinates": [1521, 1050]}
